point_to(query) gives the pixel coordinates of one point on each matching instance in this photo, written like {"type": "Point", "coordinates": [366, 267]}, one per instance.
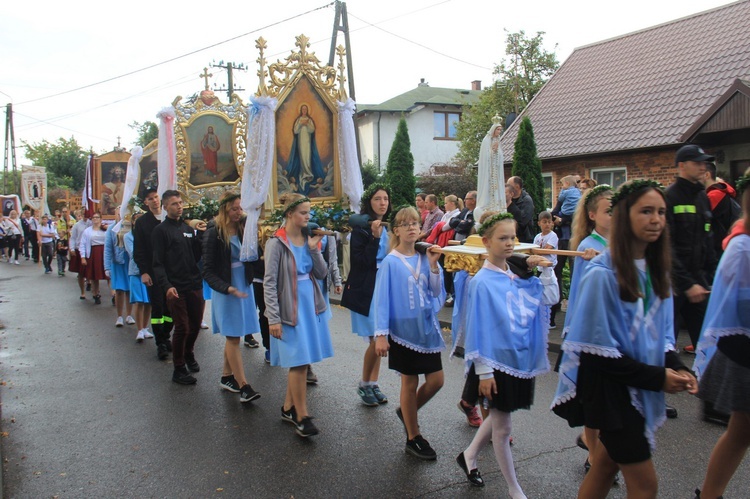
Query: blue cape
{"type": "Point", "coordinates": [728, 311]}
{"type": "Point", "coordinates": [602, 324]}
{"type": "Point", "coordinates": [406, 308]}
{"type": "Point", "coordinates": [579, 268]}
{"type": "Point", "coordinates": [507, 324]}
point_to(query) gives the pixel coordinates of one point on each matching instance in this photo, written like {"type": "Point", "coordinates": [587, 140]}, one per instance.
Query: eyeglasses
{"type": "Point", "coordinates": [409, 225]}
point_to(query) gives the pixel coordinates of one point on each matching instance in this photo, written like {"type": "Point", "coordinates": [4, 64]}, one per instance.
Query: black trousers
{"type": "Point", "coordinates": [261, 304]}
{"type": "Point", "coordinates": [48, 253]}
{"type": "Point", "coordinates": [187, 313]}
{"type": "Point", "coordinates": [690, 315]}
{"type": "Point", "coordinates": [34, 246]}
{"type": "Point", "coordinates": [161, 320]}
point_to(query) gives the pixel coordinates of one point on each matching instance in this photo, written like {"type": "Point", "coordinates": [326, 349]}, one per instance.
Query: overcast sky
{"type": "Point", "coordinates": [50, 47]}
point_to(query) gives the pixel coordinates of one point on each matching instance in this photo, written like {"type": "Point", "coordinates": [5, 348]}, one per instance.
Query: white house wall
{"type": "Point", "coordinates": [426, 150]}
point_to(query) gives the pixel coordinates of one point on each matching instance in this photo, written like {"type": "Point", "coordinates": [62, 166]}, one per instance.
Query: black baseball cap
{"type": "Point", "coordinates": [692, 152]}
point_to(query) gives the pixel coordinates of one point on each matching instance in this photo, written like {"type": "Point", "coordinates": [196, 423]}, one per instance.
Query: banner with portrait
{"type": "Point", "coordinates": [34, 189]}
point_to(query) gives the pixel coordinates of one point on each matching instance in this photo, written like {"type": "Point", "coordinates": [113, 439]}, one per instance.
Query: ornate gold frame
{"type": "Point", "coordinates": [279, 80]}
{"type": "Point", "coordinates": [234, 114]}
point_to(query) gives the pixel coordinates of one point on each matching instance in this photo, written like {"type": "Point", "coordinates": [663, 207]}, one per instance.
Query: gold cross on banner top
{"type": "Point", "coordinates": [205, 76]}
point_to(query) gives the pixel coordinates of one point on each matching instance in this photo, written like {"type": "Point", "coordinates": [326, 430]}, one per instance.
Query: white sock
{"type": "Point", "coordinates": [501, 427]}
{"type": "Point", "coordinates": [481, 439]}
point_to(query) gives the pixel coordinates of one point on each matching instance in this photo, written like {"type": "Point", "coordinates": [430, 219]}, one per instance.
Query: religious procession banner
{"type": "Point", "coordinates": [34, 189]}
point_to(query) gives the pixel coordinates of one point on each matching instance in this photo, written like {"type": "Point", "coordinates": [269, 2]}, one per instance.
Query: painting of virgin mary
{"type": "Point", "coordinates": [304, 169]}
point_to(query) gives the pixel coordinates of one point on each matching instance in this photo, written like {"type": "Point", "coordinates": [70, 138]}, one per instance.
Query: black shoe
{"type": "Point", "coordinates": [671, 412]}
{"type": "Point", "coordinates": [474, 477]}
{"type": "Point", "coordinates": [251, 342]}
{"type": "Point", "coordinates": [230, 384]}
{"type": "Point", "coordinates": [183, 377]}
{"type": "Point", "coordinates": [306, 428]}
{"type": "Point", "coordinates": [586, 466]}
{"type": "Point", "coordinates": [161, 351]}
{"type": "Point", "coordinates": [97, 299]}
{"type": "Point", "coordinates": [289, 416]}
{"type": "Point", "coordinates": [419, 447]}
{"type": "Point", "coordinates": [192, 364]}
{"type": "Point", "coordinates": [247, 394]}
{"type": "Point", "coordinates": [459, 352]}
{"type": "Point", "coordinates": [168, 343]}
{"type": "Point", "coordinates": [311, 377]}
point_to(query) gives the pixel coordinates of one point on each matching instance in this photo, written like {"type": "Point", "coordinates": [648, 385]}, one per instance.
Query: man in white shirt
{"type": "Point", "coordinates": [46, 238]}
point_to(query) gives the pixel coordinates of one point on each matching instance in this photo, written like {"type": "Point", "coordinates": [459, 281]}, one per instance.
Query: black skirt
{"type": "Point", "coordinates": [410, 362]}
{"type": "Point", "coordinates": [512, 393]}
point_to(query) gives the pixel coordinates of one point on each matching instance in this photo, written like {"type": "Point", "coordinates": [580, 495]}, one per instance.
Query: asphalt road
{"type": "Point", "coordinates": [87, 412]}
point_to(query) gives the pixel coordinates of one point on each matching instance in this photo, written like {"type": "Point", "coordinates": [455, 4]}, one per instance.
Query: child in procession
{"type": "Point", "coordinates": [619, 356]}
{"type": "Point", "coordinates": [506, 342]}
{"type": "Point", "coordinates": [408, 295]}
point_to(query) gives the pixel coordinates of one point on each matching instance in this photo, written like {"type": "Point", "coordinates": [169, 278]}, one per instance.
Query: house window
{"type": "Point", "coordinates": [445, 124]}
{"type": "Point", "coordinates": [612, 176]}
{"type": "Point", "coordinates": [547, 182]}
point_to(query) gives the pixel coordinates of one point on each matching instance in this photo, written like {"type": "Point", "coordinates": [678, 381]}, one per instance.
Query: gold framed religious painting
{"type": "Point", "coordinates": [305, 143]}
{"type": "Point", "coordinates": [109, 182]}
{"type": "Point", "coordinates": [306, 155]}
{"type": "Point", "coordinates": [210, 140]}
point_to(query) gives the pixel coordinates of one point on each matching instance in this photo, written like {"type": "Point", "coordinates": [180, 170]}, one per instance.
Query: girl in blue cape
{"type": "Point", "coordinates": [722, 360]}
{"type": "Point", "coordinates": [619, 354]}
{"type": "Point", "coordinates": [408, 295]}
{"type": "Point", "coordinates": [506, 342]}
{"type": "Point", "coordinates": [591, 225]}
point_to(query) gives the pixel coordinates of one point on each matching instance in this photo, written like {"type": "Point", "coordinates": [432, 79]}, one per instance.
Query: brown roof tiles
{"type": "Point", "coordinates": [643, 89]}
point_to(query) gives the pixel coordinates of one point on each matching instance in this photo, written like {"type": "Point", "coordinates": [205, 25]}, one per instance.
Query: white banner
{"type": "Point", "coordinates": [351, 178]}
{"type": "Point", "coordinates": [258, 170]}
{"type": "Point", "coordinates": [34, 189]}
{"type": "Point", "coordinates": [166, 156]}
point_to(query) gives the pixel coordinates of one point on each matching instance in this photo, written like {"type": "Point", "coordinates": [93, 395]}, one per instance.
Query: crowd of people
{"type": "Point", "coordinates": [647, 260]}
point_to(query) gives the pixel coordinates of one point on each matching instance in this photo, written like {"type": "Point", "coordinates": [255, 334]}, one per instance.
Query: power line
{"type": "Point", "coordinates": [419, 44]}
{"type": "Point", "coordinates": [178, 57]}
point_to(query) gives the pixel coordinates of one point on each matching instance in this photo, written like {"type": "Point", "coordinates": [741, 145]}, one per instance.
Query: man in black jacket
{"type": "Point", "coordinates": [693, 261]}
{"type": "Point", "coordinates": [177, 249]}
{"type": "Point", "coordinates": [521, 206]}
{"type": "Point", "coordinates": [464, 221]}
{"type": "Point", "coordinates": [161, 321]}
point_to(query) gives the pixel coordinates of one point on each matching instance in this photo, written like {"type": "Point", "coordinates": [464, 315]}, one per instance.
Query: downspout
{"type": "Point", "coordinates": [380, 115]}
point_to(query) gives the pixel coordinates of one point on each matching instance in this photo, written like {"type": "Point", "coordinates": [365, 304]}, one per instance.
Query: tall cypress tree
{"type": "Point", "coordinates": [399, 169]}
{"type": "Point", "coordinates": [527, 165]}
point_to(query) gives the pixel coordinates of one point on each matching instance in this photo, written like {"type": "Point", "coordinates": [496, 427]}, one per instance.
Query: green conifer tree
{"type": "Point", "coordinates": [399, 172]}
{"type": "Point", "coordinates": [527, 165]}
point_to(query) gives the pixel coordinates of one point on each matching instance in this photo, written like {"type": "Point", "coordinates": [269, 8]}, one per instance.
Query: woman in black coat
{"type": "Point", "coordinates": [369, 245]}
{"type": "Point", "coordinates": [233, 310]}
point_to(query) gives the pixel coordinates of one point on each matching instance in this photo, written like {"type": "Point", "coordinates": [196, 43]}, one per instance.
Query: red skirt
{"type": "Point", "coordinates": [74, 262]}
{"type": "Point", "coordinates": [95, 264]}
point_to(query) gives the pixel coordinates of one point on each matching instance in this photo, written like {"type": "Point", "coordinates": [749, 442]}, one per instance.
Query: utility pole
{"type": "Point", "coordinates": [230, 66]}
{"type": "Point", "coordinates": [341, 23]}
{"type": "Point", "coordinates": [10, 148]}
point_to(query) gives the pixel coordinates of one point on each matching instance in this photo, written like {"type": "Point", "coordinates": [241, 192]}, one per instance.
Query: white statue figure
{"type": "Point", "coordinates": [491, 181]}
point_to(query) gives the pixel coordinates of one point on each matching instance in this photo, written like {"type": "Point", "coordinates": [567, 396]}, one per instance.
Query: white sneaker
{"type": "Point", "coordinates": [16, 262]}
{"type": "Point", "coordinates": [130, 320]}
{"type": "Point", "coordinates": [147, 334]}
{"type": "Point", "coordinates": [119, 322]}
{"type": "Point", "coordinates": [139, 338]}
{"type": "Point", "coordinates": [204, 325]}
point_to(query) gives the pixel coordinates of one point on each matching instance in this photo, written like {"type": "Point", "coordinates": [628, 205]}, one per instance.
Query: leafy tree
{"type": "Point", "coordinates": [147, 132]}
{"type": "Point", "coordinates": [399, 170]}
{"type": "Point", "coordinates": [527, 165]}
{"type": "Point", "coordinates": [65, 161]}
{"type": "Point", "coordinates": [458, 183]}
{"type": "Point", "coordinates": [518, 78]}
{"type": "Point", "coordinates": [370, 173]}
